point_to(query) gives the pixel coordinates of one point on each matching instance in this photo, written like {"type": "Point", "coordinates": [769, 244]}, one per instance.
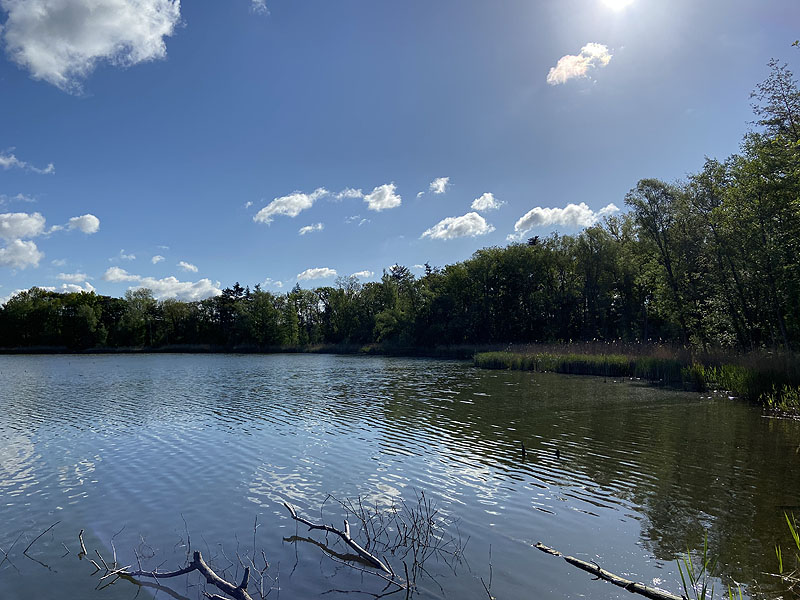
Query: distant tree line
{"type": "Point", "coordinates": [709, 261]}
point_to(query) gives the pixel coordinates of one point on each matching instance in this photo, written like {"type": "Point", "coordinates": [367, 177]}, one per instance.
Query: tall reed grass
{"type": "Point", "coordinates": [770, 379]}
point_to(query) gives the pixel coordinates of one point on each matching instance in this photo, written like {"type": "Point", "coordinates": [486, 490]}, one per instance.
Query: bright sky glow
{"type": "Point", "coordinates": [185, 146]}
{"type": "Point", "coordinates": [618, 4]}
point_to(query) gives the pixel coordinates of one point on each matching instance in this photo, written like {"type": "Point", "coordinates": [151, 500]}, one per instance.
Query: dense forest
{"type": "Point", "coordinates": [711, 261]}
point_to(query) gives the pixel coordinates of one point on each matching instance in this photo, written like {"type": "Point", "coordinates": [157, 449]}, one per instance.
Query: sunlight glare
{"type": "Point", "coordinates": [617, 4]}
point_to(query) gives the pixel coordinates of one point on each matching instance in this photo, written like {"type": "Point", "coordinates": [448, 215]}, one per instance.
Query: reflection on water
{"type": "Point", "coordinates": [615, 471]}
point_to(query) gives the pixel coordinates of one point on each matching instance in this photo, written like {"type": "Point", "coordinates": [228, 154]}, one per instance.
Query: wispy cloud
{"type": "Point", "coordinates": [363, 274]}
{"type": "Point", "coordinates": [316, 273]}
{"type": "Point", "coordinates": [123, 256]}
{"type": "Point", "coordinates": [9, 161]}
{"type": "Point", "coordinates": [259, 7]}
{"type": "Point", "coordinates": [61, 42]}
{"type": "Point", "coordinates": [156, 259]}
{"type": "Point", "coordinates": [273, 282]}
{"type": "Point", "coordinates": [310, 228]}
{"type": "Point", "coordinates": [290, 205]}
{"type": "Point", "coordinates": [4, 199]}
{"type": "Point", "coordinates": [468, 225]}
{"type": "Point", "coordinates": [572, 216]}
{"type": "Point", "coordinates": [349, 193]}
{"type": "Point", "coordinates": [187, 266]}
{"type": "Point", "coordinates": [577, 65]}
{"type": "Point", "coordinates": [486, 202]}
{"type": "Point", "coordinates": [383, 197]}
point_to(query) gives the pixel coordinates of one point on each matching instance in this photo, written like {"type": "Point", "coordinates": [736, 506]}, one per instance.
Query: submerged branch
{"type": "Point", "coordinates": [345, 535]}
{"type": "Point", "coordinates": [596, 570]}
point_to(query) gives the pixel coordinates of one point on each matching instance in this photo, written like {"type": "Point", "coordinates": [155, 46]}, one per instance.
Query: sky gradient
{"type": "Point", "coordinates": [187, 147]}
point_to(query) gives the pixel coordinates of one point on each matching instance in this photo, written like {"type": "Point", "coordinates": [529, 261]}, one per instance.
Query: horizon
{"type": "Point", "coordinates": [278, 143]}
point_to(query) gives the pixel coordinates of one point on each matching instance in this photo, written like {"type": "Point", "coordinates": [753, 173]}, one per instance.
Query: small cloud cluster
{"type": "Point", "coordinates": [572, 215]}
{"type": "Point", "coordinates": [85, 223]}
{"type": "Point", "coordinates": [270, 281]}
{"type": "Point", "coordinates": [310, 228]}
{"type": "Point", "coordinates": [383, 197]}
{"type": "Point", "coordinates": [62, 41]}
{"type": "Point", "coordinates": [259, 7]}
{"type": "Point", "coordinates": [156, 259]}
{"type": "Point", "coordinates": [486, 202]}
{"type": "Point", "coordinates": [439, 185]}
{"type": "Point", "coordinates": [168, 287]}
{"type": "Point", "coordinates": [17, 229]}
{"type": "Point", "coordinates": [10, 161]}
{"type": "Point", "coordinates": [468, 225]}
{"type": "Point", "coordinates": [349, 193]}
{"type": "Point", "coordinates": [572, 65]}
{"type": "Point", "coordinates": [316, 273]}
{"type": "Point", "coordinates": [363, 274]}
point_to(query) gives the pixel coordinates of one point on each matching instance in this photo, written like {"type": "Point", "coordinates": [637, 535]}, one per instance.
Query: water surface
{"type": "Point", "coordinates": [148, 448]}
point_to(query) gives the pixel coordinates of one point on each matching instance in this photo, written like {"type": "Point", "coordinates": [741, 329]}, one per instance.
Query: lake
{"type": "Point", "coordinates": [155, 450]}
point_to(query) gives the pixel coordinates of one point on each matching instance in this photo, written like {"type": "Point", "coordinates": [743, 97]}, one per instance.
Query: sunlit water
{"type": "Point", "coordinates": [161, 445]}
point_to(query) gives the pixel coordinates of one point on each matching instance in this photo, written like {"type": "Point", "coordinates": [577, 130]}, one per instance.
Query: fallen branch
{"type": "Point", "coordinates": [345, 535]}
{"type": "Point", "coordinates": [198, 564]}
{"type": "Point", "coordinates": [596, 570]}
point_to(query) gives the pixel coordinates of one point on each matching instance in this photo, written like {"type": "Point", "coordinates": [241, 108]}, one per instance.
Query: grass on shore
{"type": "Point", "coordinates": [770, 379]}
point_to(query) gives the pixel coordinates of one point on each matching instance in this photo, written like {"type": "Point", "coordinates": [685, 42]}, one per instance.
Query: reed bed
{"type": "Point", "coordinates": [771, 379]}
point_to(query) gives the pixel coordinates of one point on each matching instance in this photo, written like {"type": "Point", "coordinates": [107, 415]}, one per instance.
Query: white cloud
{"type": "Point", "coordinates": [468, 225]}
{"type": "Point", "coordinates": [571, 66]}
{"type": "Point", "coordinates": [310, 228]}
{"type": "Point", "coordinates": [156, 259]}
{"type": "Point", "coordinates": [72, 277]}
{"type": "Point", "coordinates": [58, 262]}
{"type": "Point", "coordinates": [187, 266]}
{"type": "Point", "coordinates": [421, 267]}
{"type": "Point", "coordinates": [270, 281]}
{"type": "Point", "coordinates": [9, 161]}
{"type": "Point", "coordinates": [317, 273]}
{"type": "Point", "coordinates": [15, 226]}
{"type": "Point", "coordinates": [85, 223]}
{"type": "Point", "coordinates": [117, 274]}
{"type": "Point", "coordinates": [439, 185]}
{"type": "Point", "coordinates": [572, 215]}
{"type": "Point", "coordinates": [291, 205]}
{"type": "Point", "coordinates": [383, 197]}
{"type": "Point", "coordinates": [363, 274]}
{"type": "Point", "coordinates": [248, 204]}
{"type": "Point", "coordinates": [259, 7]}
{"type": "Point", "coordinates": [486, 202]}
{"type": "Point", "coordinates": [20, 255]}
{"type": "Point", "coordinates": [61, 41]}
{"type": "Point", "coordinates": [168, 287]}
{"type": "Point", "coordinates": [420, 194]}
{"type": "Point", "coordinates": [349, 193]}
{"type": "Point", "coordinates": [71, 288]}
{"type": "Point", "coordinates": [123, 256]}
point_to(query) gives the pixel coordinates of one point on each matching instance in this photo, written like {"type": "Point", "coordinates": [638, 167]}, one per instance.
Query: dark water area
{"type": "Point", "coordinates": [145, 448]}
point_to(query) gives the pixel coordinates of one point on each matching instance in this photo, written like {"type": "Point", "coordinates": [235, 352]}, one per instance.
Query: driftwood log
{"type": "Point", "coordinates": [597, 571]}
{"type": "Point", "coordinates": [370, 559]}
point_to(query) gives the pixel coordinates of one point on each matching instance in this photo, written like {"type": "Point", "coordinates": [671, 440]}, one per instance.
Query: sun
{"type": "Point", "coordinates": [617, 4]}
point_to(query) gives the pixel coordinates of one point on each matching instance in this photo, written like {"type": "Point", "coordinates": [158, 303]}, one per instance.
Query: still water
{"type": "Point", "coordinates": [153, 449]}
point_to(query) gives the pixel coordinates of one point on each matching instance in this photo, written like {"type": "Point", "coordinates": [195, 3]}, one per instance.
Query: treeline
{"type": "Point", "coordinates": [712, 261]}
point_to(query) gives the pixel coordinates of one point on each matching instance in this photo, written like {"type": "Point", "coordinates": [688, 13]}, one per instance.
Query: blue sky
{"type": "Point", "coordinates": [184, 147]}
